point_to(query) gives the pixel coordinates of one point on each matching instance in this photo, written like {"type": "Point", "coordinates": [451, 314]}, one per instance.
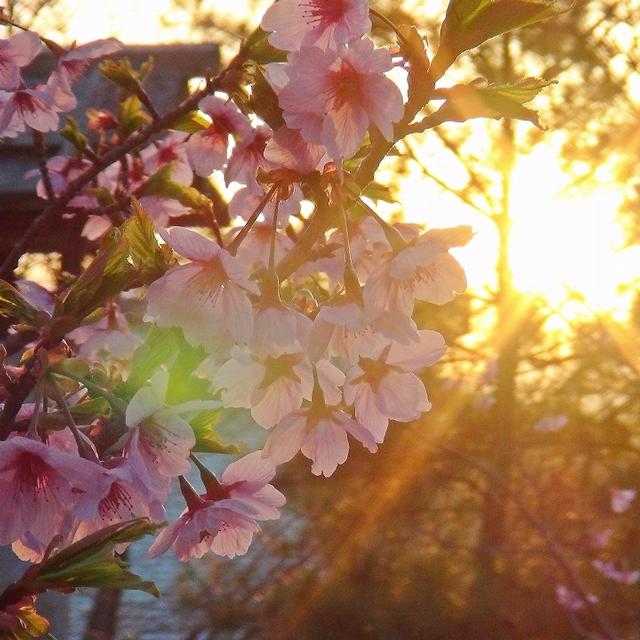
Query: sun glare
{"type": "Point", "coordinates": [567, 243]}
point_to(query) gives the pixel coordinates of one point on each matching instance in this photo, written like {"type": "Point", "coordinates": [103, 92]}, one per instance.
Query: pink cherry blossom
{"type": "Point", "coordinates": [108, 338]}
{"type": "Point", "coordinates": [279, 329]}
{"type": "Point", "coordinates": [203, 527]}
{"type": "Point", "coordinates": [254, 251]}
{"type": "Point", "coordinates": [323, 23]}
{"type": "Point", "coordinates": [125, 499]}
{"type": "Point", "coordinates": [347, 329]}
{"type": "Point", "coordinates": [621, 576]}
{"type": "Point", "coordinates": [223, 519]}
{"type": "Point", "coordinates": [41, 486]}
{"type": "Point", "coordinates": [247, 156]}
{"type": "Point", "coordinates": [207, 150]}
{"type": "Point", "coordinates": [424, 270]}
{"type": "Point", "coordinates": [551, 423]}
{"type": "Point", "coordinates": [571, 600]}
{"type": "Point", "coordinates": [621, 499]}
{"type": "Point", "coordinates": [245, 201]}
{"type": "Point", "coordinates": [385, 387]}
{"type": "Point", "coordinates": [171, 149]}
{"type": "Point", "coordinates": [333, 96]}
{"type": "Point", "coordinates": [320, 432]}
{"type": "Point", "coordinates": [216, 284]}
{"type": "Point", "coordinates": [270, 386]}
{"type": "Point", "coordinates": [287, 149]}
{"type": "Point", "coordinates": [34, 108]}
{"type": "Point", "coordinates": [17, 51]}
{"type": "Point", "coordinates": [162, 438]}
{"type": "Point", "coordinates": [75, 60]}
{"type": "Point", "coordinates": [246, 483]}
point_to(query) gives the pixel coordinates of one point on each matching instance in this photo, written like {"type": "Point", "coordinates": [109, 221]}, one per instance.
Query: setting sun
{"type": "Point", "coordinates": [564, 243]}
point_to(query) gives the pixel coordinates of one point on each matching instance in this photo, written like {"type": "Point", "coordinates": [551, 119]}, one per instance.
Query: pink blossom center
{"type": "Point", "coordinates": [117, 497]}
{"type": "Point", "coordinates": [347, 85]}
{"type": "Point", "coordinates": [373, 371]}
{"type": "Point", "coordinates": [75, 68]}
{"type": "Point", "coordinates": [280, 367]}
{"type": "Point", "coordinates": [323, 13]}
{"type": "Point", "coordinates": [32, 473]}
{"type": "Point", "coordinates": [167, 154]}
{"type": "Point", "coordinates": [25, 102]}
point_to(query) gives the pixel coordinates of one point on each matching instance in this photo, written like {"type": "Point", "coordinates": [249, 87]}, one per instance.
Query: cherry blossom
{"type": "Point", "coordinates": [423, 270]}
{"type": "Point", "coordinates": [386, 387]}
{"type": "Point", "coordinates": [246, 482]}
{"type": "Point", "coordinates": [290, 151]}
{"type": "Point", "coordinates": [214, 281]}
{"type": "Point", "coordinates": [551, 423]}
{"type": "Point", "coordinates": [271, 387]}
{"type": "Point", "coordinates": [34, 108]}
{"type": "Point", "coordinates": [205, 526]}
{"type": "Point", "coordinates": [609, 570]}
{"type": "Point", "coordinates": [254, 251]}
{"type": "Point", "coordinates": [163, 439]}
{"type": "Point", "coordinates": [207, 150]}
{"type": "Point", "coordinates": [320, 429]}
{"type": "Point", "coordinates": [346, 328]}
{"type": "Point", "coordinates": [323, 23]}
{"type": "Point", "coordinates": [247, 156]}
{"type": "Point", "coordinates": [621, 499]}
{"type": "Point", "coordinates": [16, 52]}
{"type": "Point", "coordinates": [108, 338]}
{"type": "Point", "coordinates": [279, 329]}
{"type": "Point", "coordinates": [320, 434]}
{"type": "Point", "coordinates": [223, 519]}
{"type": "Point", "coordinates": [333, 96]}
{"type": "Point", "coordinates": [571, 600]}
{"type": "Point", "coordinates": [40, 486]}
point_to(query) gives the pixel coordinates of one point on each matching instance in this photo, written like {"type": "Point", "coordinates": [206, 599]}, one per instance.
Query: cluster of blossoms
{"type": "Point", "coordinates": [312, 365]}
{"type": "Point", "coordinates": [304, 321]}
{"type": "Point", "coordinates": [39, 107]}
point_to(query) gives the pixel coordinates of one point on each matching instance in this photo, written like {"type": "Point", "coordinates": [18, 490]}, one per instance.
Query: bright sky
{"type": "Point", "coordinates": [558, 242]}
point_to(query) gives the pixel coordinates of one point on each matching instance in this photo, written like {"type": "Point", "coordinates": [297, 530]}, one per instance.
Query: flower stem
{"type": "Point", "coordinates": [394, 237]}
{"type": "Point", "coordinates": [237, 241]}
{"type": "Point", "coordinates": [84, 449]}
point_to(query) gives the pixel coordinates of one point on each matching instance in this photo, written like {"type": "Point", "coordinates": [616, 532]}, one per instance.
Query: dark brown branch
{"type": "Point", "coordinates": [59, 204]}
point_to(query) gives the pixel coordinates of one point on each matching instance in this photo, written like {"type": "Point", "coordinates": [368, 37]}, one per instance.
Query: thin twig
{"type": "Point", "coordinates": [553, 547]}
{"type": "Point", "coordinates": [59, 204]}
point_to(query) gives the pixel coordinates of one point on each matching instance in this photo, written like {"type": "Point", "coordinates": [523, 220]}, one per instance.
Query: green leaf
{"type": "Point", "coordinates": [191, 122]}
{"type": "Point", "coordinates": [108, 274]}
{"type": "Point", "coordinates": [84, 413]}
{"type": "Point", "coordinates": [91, 562]}
{"type": "Point", "coordinates": [72, 133]}
{"type": "Point", "coordinates": [132, 116]}
{"type": "Point", "coordinates": [103, 196]}
{"type": "Point", "coordinates": [160, 346]}
{"type": "Point", "coordinates": [15, 307]}
{"type": "Point", "coordinates": [260, 51]}
{"type": "Point", "coordinates": [469, 23]}
{"type": "Point", "coordinates": [264, 101]}
{"type": "Point", "coordinates": [121, 73]}
{"type": "Point", "coordinates": [482, 100]}
{"type": "Point", "coordinates": [377, 191]}
{"type": "Point", "coordinates": [148, 257]}
{"type": "Point", "coordinates": [160, 184]}
{"type": "Point", "coordinates": [29, 623]}
{"type": "Point", "coordinates": [207, 440]}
